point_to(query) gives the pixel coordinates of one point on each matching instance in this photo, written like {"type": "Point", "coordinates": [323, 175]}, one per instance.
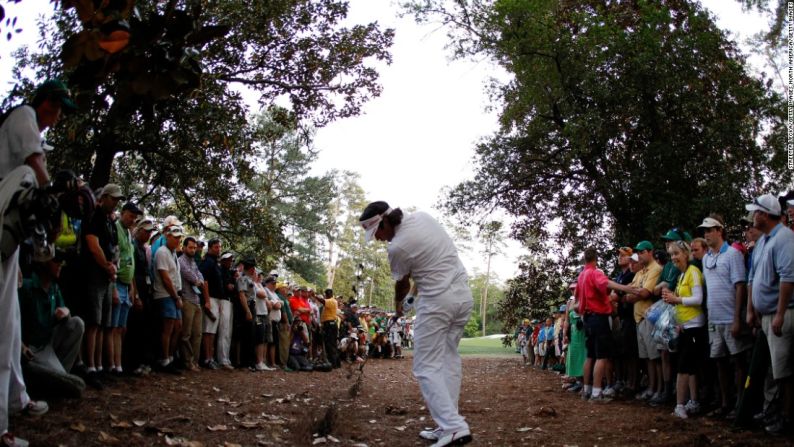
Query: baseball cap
{"type": "Point", "coordinates": [625, 251]}
{"type": "Point", "coordinates": [227, 255]}
{"type": "Point", "coordinates": [145, 224]}
{"type": "Point", "coordinates": [766, 203]}
{"type": "Point", "coordinates": [175, 231]}
{"type": "Point", "coordinates": [171, 220]}
{"type": "Point", "coordinates": [270, 279]}
{"type": "Point", "coordinates": [55, 89]}
{"type": "Point", "coordinates": [635, 257]}
{"type": "Point", "coordinates": [249, 261]}
{"type": "Point", "coordinates": [644, 245]}
{"type": "Point", "coordinates": [710, 222]}
{"type": "Point", "coordinates": [113, 190]}
{"type": "Point", "coordinates": [677, 235]}
{"type": "Point", "coordinates": [133, 208]}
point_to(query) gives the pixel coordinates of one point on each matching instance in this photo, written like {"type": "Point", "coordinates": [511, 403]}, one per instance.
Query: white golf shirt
{"type": "Point", "coordinates": [420, 247]}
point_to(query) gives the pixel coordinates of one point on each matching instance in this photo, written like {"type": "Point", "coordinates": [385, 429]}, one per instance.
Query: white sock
{"type": "Point", "coordinates": [588, 389]}
{"type": "Point", "coordinates": [91, 369]}
{"type": "Point", "coordinates": [165, 362]}
{"type": "Point", "coordinates": [596, 391]}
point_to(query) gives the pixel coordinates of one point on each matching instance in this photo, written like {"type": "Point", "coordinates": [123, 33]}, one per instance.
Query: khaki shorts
{"type": "Point", "coordinates": [780, 347]}
{"type": "Point", "coordinates": [646, 347]}
{"type": "Point", "coordinates": [723, 343]}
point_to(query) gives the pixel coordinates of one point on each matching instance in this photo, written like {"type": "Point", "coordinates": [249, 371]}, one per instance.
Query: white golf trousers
{"type": "Point", "coordinates": [437, 366]}
{"type": "Point", "coordinates": [224, 334]}
{"type": "Point", "coordinates": [13, 396]}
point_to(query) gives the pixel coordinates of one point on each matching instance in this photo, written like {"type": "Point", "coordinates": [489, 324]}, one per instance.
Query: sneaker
{"type": "Point", "coordinates": [92, 380]}
{"type": "Point", "coordinates": [212, 364]}
{"type": "Point", "coordinates": [609, 392]}
{"type": "Point", "coordinates": [431, 435]}
{"type": "Point", "coordinates": [9, 440]}
{"type": "Point", "coordinates": [36, 408]}
{"type": "Point", "coordinates": [618, 386]}
{"type": "Point", "coordinates": [658, 399]}
{"type": "Point", "coordinates": [680, 412]}
{"type": "Point", "coordinates": [779, 427]}
{"type": "Point", "coordinates": [600, 399]}
{"type": "Point", "coordinates": [692, 407]}
{"type": "Point", "coordinates": [261, 367]}
{"type": "Point", "coordinates": [576, 387]}
{"type": "Point", "coordinates": [459, 437]}
{"type": "Point", "coordinates": [227, 366]}
{"type": "Point", "coordinates": [645, 395]}
{"type": "Point", "coordinates": [586, 396]}
{"type": "Point", "coordinates": [171, 369]}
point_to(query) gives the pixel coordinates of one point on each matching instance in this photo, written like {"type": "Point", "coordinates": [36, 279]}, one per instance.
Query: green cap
{"type": "Point", "coordinates": [677, 235]}
{"type": "Point", "coordinates": [55, 89]}
{"type": "Point", "coordinates": [644, 245]}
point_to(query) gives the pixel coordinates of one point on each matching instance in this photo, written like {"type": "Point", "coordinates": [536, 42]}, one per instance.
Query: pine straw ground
{"type": "Point", "coordinates": [505, 404]}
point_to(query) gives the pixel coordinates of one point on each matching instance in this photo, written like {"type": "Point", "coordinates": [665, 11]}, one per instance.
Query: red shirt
{"type": "Point", "coordinates": [297, 302]}
{"type": "Point", "coordinates": [591, 290]}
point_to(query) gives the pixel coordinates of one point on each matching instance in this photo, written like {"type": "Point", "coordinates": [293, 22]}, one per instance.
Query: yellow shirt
{"type": "Point", "coordinates": [686, 283]}
{"type": "Point", "coordinates": [647, 279]}
{"type": "Point", "coordinates": [329, 310]}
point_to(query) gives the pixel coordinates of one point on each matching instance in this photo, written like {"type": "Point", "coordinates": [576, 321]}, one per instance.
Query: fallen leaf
{"type": "Point", "coordinates": [231, 444]}
{"type": "Point", "coordinates": [219, 427]}
{"type": "Point", "coordinates": [216, 389]}
{"type": "Point", "coordinates": [182, 442]}
{"type": "Point", "coordinates": [266, 395]}
{"type": "Point", "coordinates": [320, 440]}
{"type": "Point", "coordinates": [249, 424]}
{"type": "Point", "coordinates": [400, 428]}
{"type": "Point", "coordinates": [523, 429]}
{"type": "Point", "coordinates": [138, 423]}
{"type": "Point", "coordinates": [232, 413]}
{"type": "Point", "coordinates": [113, 417]}
{"type": "Point", "coordinates": [373, 421]}
{"type": "Point", "coordinates": [332, 439]}
{"type": "Point", "coordinates": [120, 424]}
{"type": "Point", "coordinates": [107, 439]}
{"type": "Point", "coordinates": [78, 427]}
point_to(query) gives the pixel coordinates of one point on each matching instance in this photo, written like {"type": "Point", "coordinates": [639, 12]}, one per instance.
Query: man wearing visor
{"type": "Point", "coordinates": [421, 250]}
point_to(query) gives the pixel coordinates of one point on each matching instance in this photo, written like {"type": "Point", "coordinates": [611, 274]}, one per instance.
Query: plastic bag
{"type": "Point", "coordinates": [655, 311]}
{"type": "Point", "coordinates": [665, 329]}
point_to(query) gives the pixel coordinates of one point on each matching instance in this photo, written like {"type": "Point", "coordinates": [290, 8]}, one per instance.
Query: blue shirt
{"type": "Point", "coordinates": [723, 271]}
{"type": "Point", "coordinates": [550, 333]}
{"type": "Point", "coordinates": [773, 262]}
{"type": "Point", "coordinates": [542, 333]}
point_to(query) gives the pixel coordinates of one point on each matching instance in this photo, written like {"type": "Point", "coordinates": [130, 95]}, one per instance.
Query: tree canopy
{"type": "Point", "coordinates": [162, 91]}
{"type": "Point", "coordinates": [619, 119]}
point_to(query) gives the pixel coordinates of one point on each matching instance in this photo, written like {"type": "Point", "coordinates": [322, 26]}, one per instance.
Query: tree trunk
{"type": "Point", "coordinates": [100, 175]}
{"type": "Point", "coordinates": [484, 304]}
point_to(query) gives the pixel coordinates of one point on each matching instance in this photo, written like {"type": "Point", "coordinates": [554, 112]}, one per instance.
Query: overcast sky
{"type": "Point", "coordinates": [419, 135]}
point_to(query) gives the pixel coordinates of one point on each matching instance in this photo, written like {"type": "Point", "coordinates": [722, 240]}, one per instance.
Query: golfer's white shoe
{"type": "Point", "coordinates": [459, 437]}
{"type": "Point", "coordinates": [431, 435]}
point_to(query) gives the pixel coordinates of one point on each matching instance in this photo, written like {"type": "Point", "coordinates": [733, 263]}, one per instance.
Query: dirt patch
{"type": "Point", "coordinates": [505, 404]}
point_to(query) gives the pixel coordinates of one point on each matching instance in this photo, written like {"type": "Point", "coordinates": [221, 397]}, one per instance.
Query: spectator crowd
{"type": "Point", "coordinates": [704, 326]}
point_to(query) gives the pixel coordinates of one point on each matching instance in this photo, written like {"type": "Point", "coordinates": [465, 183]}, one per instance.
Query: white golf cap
{"type": "Point", "coordinates": [635, 257]}
{"type": "Point", "coordinates": [790, 202]}
{"type": "Point", "coordinates": [171, 221]}
{"type": "Point", "coordinates": [766, 203]}
{"type": "Point", "coordinates": [710, 222]}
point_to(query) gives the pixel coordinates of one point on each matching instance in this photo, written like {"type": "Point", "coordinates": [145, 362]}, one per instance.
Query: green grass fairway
{"type": "Point", "coordinates": [484, 347]}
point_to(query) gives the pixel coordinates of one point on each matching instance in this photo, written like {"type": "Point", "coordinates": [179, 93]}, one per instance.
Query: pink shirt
{"type": "Point", "coordinates": [591, 290]}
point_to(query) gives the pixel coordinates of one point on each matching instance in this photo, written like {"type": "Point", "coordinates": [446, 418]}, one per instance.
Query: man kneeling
{"type": "Point", "coordinates": [50, 336]}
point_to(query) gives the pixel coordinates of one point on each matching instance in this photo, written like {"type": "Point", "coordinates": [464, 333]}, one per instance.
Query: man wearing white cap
{"type": "Point", "coordinates": [421, 250]}
{"type": "Point", "coordinates": [725, 274]}
{"type": "Point", "coordinates": [168, 297]}
{"type": "Point", "coordinates": [771, 284]}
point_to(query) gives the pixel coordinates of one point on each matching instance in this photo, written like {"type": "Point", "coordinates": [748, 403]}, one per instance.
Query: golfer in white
{"type": "Point", "coordinates": [421, 250]}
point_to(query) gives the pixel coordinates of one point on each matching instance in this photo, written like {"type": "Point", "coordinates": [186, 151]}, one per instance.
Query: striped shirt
{"type": "Point", "coordinates": [723, 270]}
